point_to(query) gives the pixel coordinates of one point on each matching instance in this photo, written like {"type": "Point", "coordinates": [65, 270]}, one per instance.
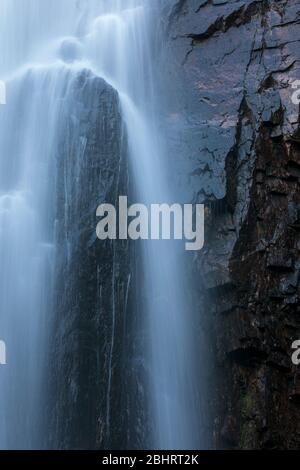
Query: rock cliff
{"type": "Point", "coordinates": [235, 143]}
{"type": "Point", "coordinates": [90, 353]}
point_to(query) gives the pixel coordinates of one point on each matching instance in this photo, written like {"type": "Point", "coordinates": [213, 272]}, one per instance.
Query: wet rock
{"type": "Point", "coordinates": [281, 261]}
{"type": "Point", "coordinates": [90, 354]}
{"type": "Point", "coordinates": [235, 143]}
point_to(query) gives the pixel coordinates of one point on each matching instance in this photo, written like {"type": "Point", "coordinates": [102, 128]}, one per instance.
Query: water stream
{"type": "Point", "coordinates": [44, 46]}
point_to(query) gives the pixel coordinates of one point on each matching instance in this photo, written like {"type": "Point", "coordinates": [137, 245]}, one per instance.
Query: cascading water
{"type": "Point", "coordinates": [47, 45]}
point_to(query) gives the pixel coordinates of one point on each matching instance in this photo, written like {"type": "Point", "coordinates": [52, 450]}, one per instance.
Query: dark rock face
{"type": "Point", "coordinates": [90, 352]}
{"type": "Point", "coordinates": [235, 142]}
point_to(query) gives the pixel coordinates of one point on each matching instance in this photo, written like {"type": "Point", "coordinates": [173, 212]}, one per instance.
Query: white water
{"type": "Point", "coordinates": [46, 45]}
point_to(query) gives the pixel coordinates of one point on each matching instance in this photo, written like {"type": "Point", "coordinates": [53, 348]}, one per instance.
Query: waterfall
{"type": "Point", "coordinates": [48, 44]}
